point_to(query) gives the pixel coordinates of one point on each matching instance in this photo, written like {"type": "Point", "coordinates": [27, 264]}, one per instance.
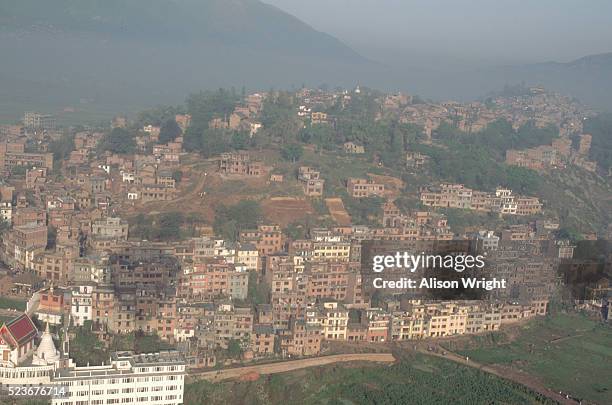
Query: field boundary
{"type": "Point", "coordinates": [286, 366]}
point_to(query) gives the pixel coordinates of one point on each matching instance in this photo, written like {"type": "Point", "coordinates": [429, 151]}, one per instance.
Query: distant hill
{"type": "Point", "coordinates": [101, 57]}
{"type": "Point", "coordinates": [588, 78]}
{"type": "Point", "coordinates": [236, 23]}
{"type": "Point", "coordinates": [116, 53]}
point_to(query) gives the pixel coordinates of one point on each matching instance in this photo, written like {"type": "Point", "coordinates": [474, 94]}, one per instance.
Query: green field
{"type": "Point", "coordinates": [417, 379]}
{"type": "Point", "coordinates": [9, 303]}
{"type": "Point", "coordinates": [569, 353]}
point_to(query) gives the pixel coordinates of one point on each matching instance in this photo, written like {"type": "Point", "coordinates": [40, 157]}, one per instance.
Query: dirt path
{"type": "Point", "coordinates": [285, 366]}
{"type": "Point", "coordinates": [512, 375]}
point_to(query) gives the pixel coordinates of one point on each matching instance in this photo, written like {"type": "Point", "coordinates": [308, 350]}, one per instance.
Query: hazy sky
{"type": "Point", "coordinates": [462, 32]}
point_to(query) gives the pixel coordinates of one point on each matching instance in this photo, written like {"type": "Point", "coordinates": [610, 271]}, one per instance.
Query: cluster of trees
{"type": "Point", "coordinates": [86, 348]}
{"type": "Point", "coordinates": [169, 131]}
{"type": "Point", "coordinates": [231, 219]}
{"type": "Point", "coordinates": [476, 160]}
{"type": "Point", "coordinates": [61, 148]}
{"type": "Point", "coordinates": [167, 226]}
{"type": "Point", "coordinates": [203, 107]}
{"type": "Point", "coordinates": [475, 166]}
{"type": "Point", "coordinates": [499, 136]}
{"type": "Point", "coordinates": [413, 380]}
{"type": "Point", "coordinates": [119, 140]}
{"type": "Point", "coordinates": [600, 127]}
{"type": "Point", "coordinates": [364, 211]}
{"type": "Point", "coordinates": [158, 116]}
{"type": "Point", "coordinates": [387, 386]}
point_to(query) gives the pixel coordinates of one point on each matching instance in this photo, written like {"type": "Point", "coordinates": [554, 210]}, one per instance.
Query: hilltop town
{"type": "Point", "coordinates": [229, 230]}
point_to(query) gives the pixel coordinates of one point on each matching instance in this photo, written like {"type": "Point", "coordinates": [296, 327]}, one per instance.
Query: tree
{"type": "Point", "coordinates": [292, 152]}
{"type": "Point", "coordinates": [119, 140]}
{"type": "Point", "coordinates": [205, 105]}
{"type": "Point", "coordinates": [234, 349]}
{"type": "Point", "coordinates": [4, 226]}
{"type": "Point", "coordinates": [158, 115]}
{"type": "Point", "coordinates": [213, 142]}
{"type": "Point", "coordinates": [51, 237]}
{"type": "Point", "coordinates": [61, 148]}
{"type": "Point", "coordinates": [169, 131]}
{"type": "Point", "coordinates": [230, 220]}
{"type": "Point", "coordinates": [177, 175]}
{"type": "Point", "coordinates": [240, 140]}
{"type": "Point", "coordinates": [170, 225]}
{"type": "Point", "coordinates": [600, 127]}
{"type": "Point", "coordinates": [322, 135]}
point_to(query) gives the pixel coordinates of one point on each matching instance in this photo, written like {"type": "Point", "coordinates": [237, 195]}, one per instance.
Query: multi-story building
{"type": "Point", "coordinates": [335, 321]}
{"type": "Point", "coordinates": [6, 211]}
{"type": "Point", "coordinates": [247, 256]}
{"type": "Point", "coordinates": [267, 239]}
{"type": "Point", "coordinates": [311, 180]}
{"type": "Point", "coordinates": [232, 323]}
{"type": "Point", "coordinates": [110, 228]}
{"type": "Point", "coordinates": [214, 278]}
{"type": "Point", "coordinates": [360, 188]}
{"type": "Point", "coordinates": [262, 339]}
{"type": "Point", "coordinates": [487, 240]}
{"type": "Point", "coordinates": [503, 201]}
{"type": "Point", "coordinates": [353, 149]}
{"type": "Point", "coordinates": [301, 338]}
{"type": "Point", "coordinates": [33, 120]}
{"type": "Point", "coordinates": [81, 304]}
{"type": "Point", "coordinates": [240, 163]}
{"type": "Point", "coordinates": [24, 242]}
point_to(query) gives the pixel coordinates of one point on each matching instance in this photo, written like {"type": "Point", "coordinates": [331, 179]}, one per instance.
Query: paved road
{"type": "Point", "coordinates": [282, 367]}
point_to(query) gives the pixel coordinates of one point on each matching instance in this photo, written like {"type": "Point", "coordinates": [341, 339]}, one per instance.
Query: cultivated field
{"type": "Point", "coordinates": [568, 353]}
{"type": "Point", "coordinates": [285, 210]}
{"type": "Point", "coordinates": [417, 379]}
{"type": "Point", "coordinates": [337, 211]}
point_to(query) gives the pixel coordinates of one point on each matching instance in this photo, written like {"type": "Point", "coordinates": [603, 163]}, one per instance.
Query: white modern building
{"type": "Point", "coordinates": [127, 378]}
{"type": "Point", "coordinates": [156, 379]}
{"type": "Point", "coordinates": [487, 240]}
{"type": "Point", "coordinates": [81, 304]}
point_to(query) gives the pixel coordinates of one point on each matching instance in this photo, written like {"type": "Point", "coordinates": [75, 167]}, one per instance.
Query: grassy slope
{"type": "Point", "coordinates": [568, 352]}
{"type": "Point", "coordinates": [8, 303]}
{"type": "Point", "coordinates": [416, 380]}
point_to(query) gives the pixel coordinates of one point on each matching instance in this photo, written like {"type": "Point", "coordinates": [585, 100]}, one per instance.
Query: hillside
{"type": "Point", "coordinates": [236, 23]}
{"type": "Point", "coordinates": [588, 78]}
{"type": "Point", "coordinates": [126, 54]}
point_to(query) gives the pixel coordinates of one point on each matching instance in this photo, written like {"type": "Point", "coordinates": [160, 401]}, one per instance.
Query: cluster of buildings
{"type": "Point", "coordinates": [556, 155]}
{"type": "Point", "coordinates": [503, 201]}
{"type": "Point", "coordinates": [313, 104]}
{"type": "Point", "coordinates": [267, 293]}
{"type": "Point", "coordinates": [13, 155]}
{"type": "Point", "coordinates": [244, 116]}
{"type": "Point", "coordinates": [534, 105]}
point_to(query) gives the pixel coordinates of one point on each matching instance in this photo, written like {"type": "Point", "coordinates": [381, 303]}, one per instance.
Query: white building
{"type": "Point", "coordinates": [128, 378]}
{"type": "Point", "coordinates": [487, 240]}
{"type": "Point", "coordinates": [6, 211]}
{"type": "Point", "coordinates": [128, 177]}
{"type": "Point", "coordinates": [247, 255]}
{"type": "Point", "coordinates": [81, 304]}
{"type": "Point", "coordinates": [155, 379]}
